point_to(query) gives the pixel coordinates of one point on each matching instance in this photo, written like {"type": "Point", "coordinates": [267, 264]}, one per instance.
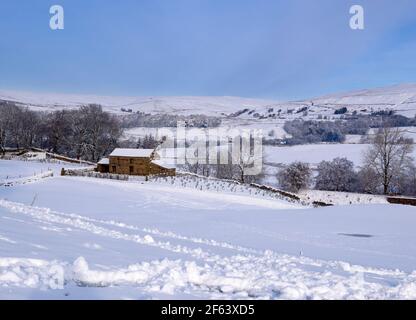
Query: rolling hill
{"type": "Point", "coordinates": [400, 98]}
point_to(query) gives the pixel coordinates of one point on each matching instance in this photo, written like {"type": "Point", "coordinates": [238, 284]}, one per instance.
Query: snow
{"type": "Point", "coordinates": [401, 98]}
{"type": "Point", "coordinates": [315, 153]}
{"type": "Point", "coordinates": [214, 106]}
{"type": "Point", "coordinates": [104, 161]}
{"type": "Point", "coordinates": [409, 132]}
{"type": "Point", "coordinates": [140, 153]}
{"type": "Point", "coordinates": [275, 128]}
{"type": "Point", "coordinates": [164, 163]}
{"type": "Point", "coordinates": [14, 169]}
{"type": "Point", "coordinates": [169, 238]}
{"type": "Point", "coordinates": [341, 198]}
{"type": "Point", "coordinates": [23, 180]}
{"type": "Point", "coordinates": [353, 138]}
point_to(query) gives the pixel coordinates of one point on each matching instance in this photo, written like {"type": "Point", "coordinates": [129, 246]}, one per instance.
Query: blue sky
{"type": "Point", "coordinates": [251, 48]}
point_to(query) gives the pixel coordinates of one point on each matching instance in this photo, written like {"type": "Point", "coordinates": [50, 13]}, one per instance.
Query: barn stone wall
{"type": "Point", "coordinates": [137, 167]}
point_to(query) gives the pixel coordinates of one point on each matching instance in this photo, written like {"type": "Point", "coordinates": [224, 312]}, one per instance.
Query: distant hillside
{"type": "Point", "coordinates": [400, 98]}
{"type": "Point", "coordinates": [213, 106]}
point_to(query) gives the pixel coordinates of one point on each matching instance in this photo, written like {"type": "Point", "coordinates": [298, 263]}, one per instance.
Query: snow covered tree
{"type": "Point", "coordinates": [247, 158]}
{"type": "Point", "coordinates": [407, 182]}
{"type": "Point", "coordinates": [19, 127]}
{"type": "Point", "coordinates": [87, 133]}
{"type": "Point", "coordinates": [336, 175]}
{"type": "Point", "coordinates": [103, 131]}
{"type": "Point", "coordinates": [303, 132]}
{"type": "Point", "coordinates": [93, 132]}
{"type": "Point", "coordinates": [147, 142]}
{"type": "Point", "coordinates": [4, 125]}
{"type": "Point", "coordinates": [295, 177]}
{"type": "Point", "coordinates": [367, 181]}
{"type": "Point", "coordinates": [389, 155]}
{"type": "Point", "coordinates": [58, 130]}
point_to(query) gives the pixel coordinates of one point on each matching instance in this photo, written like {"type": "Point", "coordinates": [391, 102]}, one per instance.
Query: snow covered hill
{"type": "Point", "coordinates": [145, 240]}
{"type": "Point", "coordinates": [401, 98]}
{"type": "Point", "coordinates": [212, 106]}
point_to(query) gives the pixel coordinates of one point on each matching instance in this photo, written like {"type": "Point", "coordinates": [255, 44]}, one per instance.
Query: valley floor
{"type": "Point", "coordinates": [154, 240]}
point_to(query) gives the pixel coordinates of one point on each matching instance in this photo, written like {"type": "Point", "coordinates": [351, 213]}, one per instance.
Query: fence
{"type": "Point", "coordinates": [92, 174]}
{"type": "Point", "coordinates": [24, 180]}
{"type": "Point", "coordinates": [274, 190]}
{"type": "Point", "coordinates": [402, 200]}
{"type": "Point", "coordinates": [290, 196]}
{"type": "Point", "coordinates": [190, 174]}
{"type": "Point", "coordinates": [62, 158]}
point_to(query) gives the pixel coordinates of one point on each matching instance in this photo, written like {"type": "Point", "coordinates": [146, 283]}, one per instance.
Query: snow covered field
{"type": "Point", "coordinates": [270, 129]}
{"type": "Point", "coordinates": [144, 240]}
{"type": "Point", "coordinates": [316, 153]}
{"type": "Point", "coordinates": [12, 169]}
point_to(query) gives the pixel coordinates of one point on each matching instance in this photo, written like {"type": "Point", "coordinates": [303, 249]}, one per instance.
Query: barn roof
{"type": "Point", "coordinates": [138, 153]}
{"type": "Point", "coordinates": [104, 161]}
{"type": "Point", "coordinates": [163, 164]}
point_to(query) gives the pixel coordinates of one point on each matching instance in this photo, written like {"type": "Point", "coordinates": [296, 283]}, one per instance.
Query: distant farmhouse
{"type": "Point", "coordinates": [138, 162]}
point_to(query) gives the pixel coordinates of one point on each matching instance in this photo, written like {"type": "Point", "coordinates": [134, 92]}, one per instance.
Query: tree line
{"type": "Point", "coordinates": [312, 131]}
{"type": "Point", "coordinates": [141, 119]}
{"type": "Point", "coordinates": [86, 133]}
{"type": "Point", "coordinates": [388, 168]}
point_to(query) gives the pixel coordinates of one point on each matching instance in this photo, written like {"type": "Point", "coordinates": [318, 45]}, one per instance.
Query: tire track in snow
{"type": "Point", "coordinates": [164, 234]}
{"type": "Point", "coordinates": [262, 275]}
{"type": "Point", "coordinates": [85, 223]}
{"type": "Point", "coordinates": [45, 214]}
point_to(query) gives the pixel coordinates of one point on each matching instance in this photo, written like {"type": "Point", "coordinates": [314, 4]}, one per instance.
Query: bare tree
{"type": "Point", "coordinates": [367, 181]}
{"type": "Point", "coordinates": [58, 130]}
{"type": "Point", "coordinates": [19, 127]}
{"type": "Point", "coordinates": [389, 155]}
{"type": "Point", "coordinates": [247, 160]}
{"type": "Point", "coordinates": [409, 181]}
{"type": "Point", "coordinates": [79, 134]}
{"type": "Point", "coordinates": [28, 125]}
{"type": "Point", "coordinates": [224, 170]}
{"type": "Point", "coordinates": [4, 126]}
{"type": "Point", "coordinates": [13, 118]}
{"type": "Point", "coordinates": [148, 142]}
{"type": "Point", "coordinates": [87, 133]}
{"type": "Point", "coordinates": [102, 131]}
{"type": "Point", "coordinates": [94, 133]}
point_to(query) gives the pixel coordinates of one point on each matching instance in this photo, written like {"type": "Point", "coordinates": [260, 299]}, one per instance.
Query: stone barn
{"type": "Point", "coordinates": [103, 165]}
{"type": "Point", "coordinates": [137, 162]}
